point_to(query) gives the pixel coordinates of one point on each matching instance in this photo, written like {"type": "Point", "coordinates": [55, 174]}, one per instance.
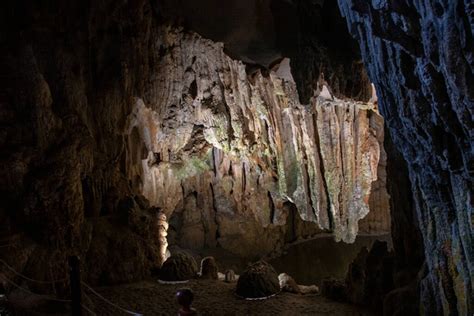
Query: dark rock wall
{"type": "Point", "coordinates": [419, 54]}
{"type": "Point", "coordinates": [68, 74]}
{"type": "Point", "coordinates": [314, 36]}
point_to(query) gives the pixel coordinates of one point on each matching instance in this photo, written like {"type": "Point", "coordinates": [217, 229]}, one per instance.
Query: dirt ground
{"type": "Point", "coordinates": [211, 298]}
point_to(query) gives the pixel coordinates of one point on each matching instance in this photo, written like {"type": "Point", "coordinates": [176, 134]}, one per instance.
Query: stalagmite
{"type": "Point", "coordinates": [162, 226]}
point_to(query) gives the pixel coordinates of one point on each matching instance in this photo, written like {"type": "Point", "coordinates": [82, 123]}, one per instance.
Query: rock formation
{"type": "Point", "coordinates": [179, 267]}
{"type": "Point", "coordinates": [69, 73]}
{"type": "Point", "coordinates": [101, 104]}
{"type": "Point", "coordinates": [419, 54]}
{"type": "Point", "coordinates": [288, 284]}
{"type": "Point", "coordinates": [229, 276]}
{"type": "Point", "coordinates": [223, 146]}
{"type": "Point", "coordinates": [162, 228]}
{"type": "Point", "coordinates": [209, 269]}
{"type": "Point", "coordinates": [259, 280]}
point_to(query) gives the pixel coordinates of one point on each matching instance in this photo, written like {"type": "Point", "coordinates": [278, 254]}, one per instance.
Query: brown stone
{"type": "Point", "coordinates": [209, 269]}
{"type": "Point", "coordinates": [179, 267]}
{"type": "Point", "coordinates": [257, 281]}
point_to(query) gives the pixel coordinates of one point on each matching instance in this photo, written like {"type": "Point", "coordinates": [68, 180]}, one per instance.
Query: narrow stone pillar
{"type": "Point", "coordinates": [162, 226]}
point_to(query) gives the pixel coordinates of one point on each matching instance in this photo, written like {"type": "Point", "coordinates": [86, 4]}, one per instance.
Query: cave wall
{"type": "Point", "coordinates": [313, 34]}
{"type": "Point", "coordinates": [78, 79]}
{"type": "Point", "coordinates": [419, 54]}
{"type": "Point", "coordinates": [69, 71]}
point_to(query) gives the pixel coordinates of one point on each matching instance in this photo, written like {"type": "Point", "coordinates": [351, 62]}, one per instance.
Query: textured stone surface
{"type": "Point", "coordinates": [288, 284]}
{"type": "Point", "coordinates": [419, 54]}
{"type": "Point", "coordinates": [258, 280]}
{"type": "Point", "coordinates": [68, 75]}
{"type": "Point", "coordinates": [179, 267]}
{"type": "Point", "coordinates": [370, 276]}
{"type": "Point", "coordinates": [261, 33]}
{"type": "Point", "coordinates": [225, 146]}
{"type": "Point", "coordinates": [86, 86]}
{"type": "Point", "coordinates": [313, 35]}
{"type": "Point", "coordinates": [334, 289]}
{"type": "Point", "coordinates": [229, 276]}
{"type": "Point", "coordinates": [209, 268]}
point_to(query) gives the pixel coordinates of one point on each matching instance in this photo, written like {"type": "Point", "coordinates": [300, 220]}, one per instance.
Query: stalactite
{"type": "Point", "coordinates": [257, 138]}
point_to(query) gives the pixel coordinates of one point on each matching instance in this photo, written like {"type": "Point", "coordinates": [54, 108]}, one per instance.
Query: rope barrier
{"type": "Point", "coordinates": [85, 307]}
{"type": "Point", "coordinates": [58, 281]}
{"type": "Point", "coordinates": [32, 293]}
{"type": "Point", "coordinates": [109, 302]}
{"type": "Point", "coordinates": [29, 279]}
{"type": "Point", "coordinates": [88, 310]}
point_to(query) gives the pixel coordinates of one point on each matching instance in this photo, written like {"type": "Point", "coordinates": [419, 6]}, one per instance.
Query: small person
{"type": "Point", "coordinates": [185, 299]}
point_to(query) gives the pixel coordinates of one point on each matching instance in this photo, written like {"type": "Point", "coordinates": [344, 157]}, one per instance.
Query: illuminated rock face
{"type": "Point", "coordinates": [228, 153]}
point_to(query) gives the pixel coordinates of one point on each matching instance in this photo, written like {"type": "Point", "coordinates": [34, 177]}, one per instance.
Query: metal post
{"type": "Point", "coordinates": [75, 279]}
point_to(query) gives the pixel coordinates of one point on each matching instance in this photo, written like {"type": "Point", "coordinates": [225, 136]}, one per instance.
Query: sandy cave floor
{"type": "Point", "coordinates": [212, 298]}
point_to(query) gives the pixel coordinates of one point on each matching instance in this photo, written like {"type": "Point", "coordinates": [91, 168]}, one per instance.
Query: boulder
{"type": "Point", "coordinates": [179, 267]}
{"type": "Point", "coordinates": [309, 289]}
{"type": "Point", "coordinates": [209, 268]}
{"type": "Point", "coordinates": [257, 281]}
{"type": "Point", "coordinates": [229, 276]}
{"type": "Point", "coordinates": [288, 284]}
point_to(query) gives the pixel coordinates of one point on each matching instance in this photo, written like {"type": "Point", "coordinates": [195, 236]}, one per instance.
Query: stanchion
{"type": "Point", "coordinates": [75, 278]}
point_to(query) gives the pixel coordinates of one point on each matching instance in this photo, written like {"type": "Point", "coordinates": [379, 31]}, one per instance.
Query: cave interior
{"type": "Point", "coordinates": [266, 157]}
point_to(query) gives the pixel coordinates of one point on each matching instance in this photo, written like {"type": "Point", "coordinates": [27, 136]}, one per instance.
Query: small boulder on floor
{"type": "Point", "coordinates": [259, 280]}
{"type": "Point", "coordinates": [179, 267]}
{"type": "Point", "coordinates": [288, 284]}
{"type": "Point", "coordinates": [209, 269]}
{"type": "Point", "coordinates": [230, 276]}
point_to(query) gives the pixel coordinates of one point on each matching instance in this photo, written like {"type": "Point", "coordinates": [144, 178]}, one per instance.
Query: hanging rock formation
{"type": "Point", "coordinates": [227, 148]}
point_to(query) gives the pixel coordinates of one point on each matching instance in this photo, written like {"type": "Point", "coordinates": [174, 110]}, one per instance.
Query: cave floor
{"type": "Point", "coordinates": [213, 298]}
